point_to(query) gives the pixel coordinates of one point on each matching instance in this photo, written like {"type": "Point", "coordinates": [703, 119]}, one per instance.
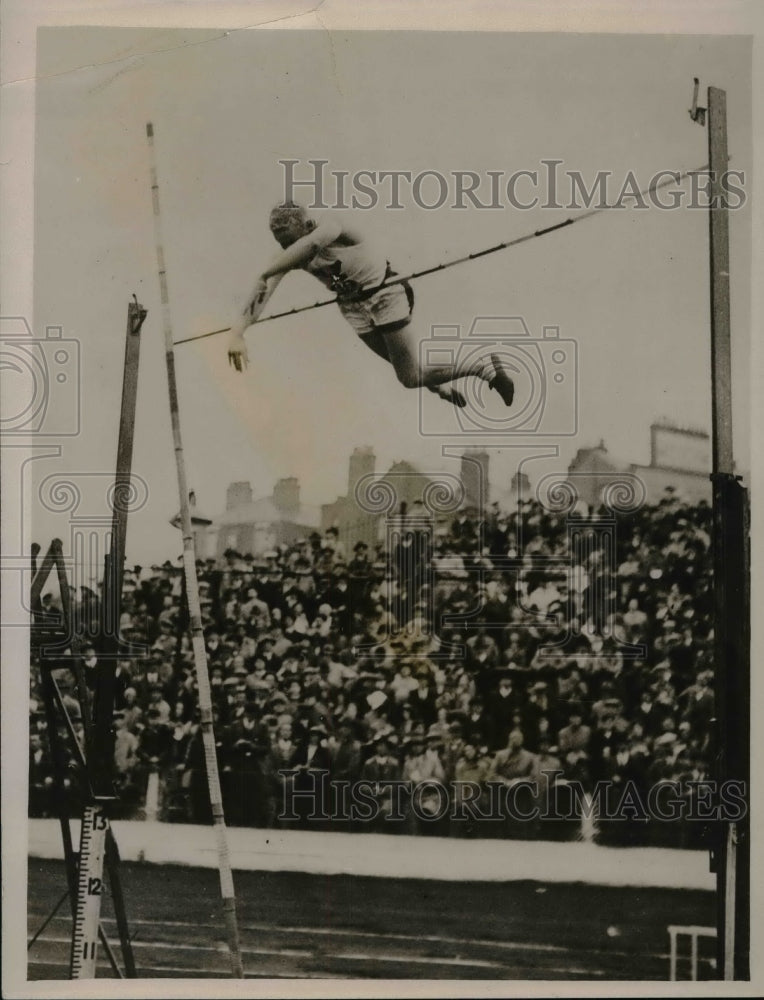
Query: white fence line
{"type": "Point", "coordinates": [397, 856]}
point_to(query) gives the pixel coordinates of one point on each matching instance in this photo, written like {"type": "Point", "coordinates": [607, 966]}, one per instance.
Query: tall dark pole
{"type": "Point", "coordinates": [731, 584]}
{"type": "Point", "coordinates": [721, 400]}
{"type": "Point", "coordinates": [101, 750]}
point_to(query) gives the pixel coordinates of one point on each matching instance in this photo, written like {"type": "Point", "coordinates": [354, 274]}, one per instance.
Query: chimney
{"type": "Point", "coordinates": [238, 494]}
{"type": "Point", "coordinates": [474, 475]}
{"type": "Point", "coordinates": [520, 487]}
{"type": "Point", "coordinates": [362, 463]}
{"type": "Point", "coordinates": [286, 496]}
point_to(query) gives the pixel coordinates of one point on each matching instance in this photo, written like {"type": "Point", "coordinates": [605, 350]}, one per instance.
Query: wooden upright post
{"type": "Point", "coordinates": [731, 582]}
{"type": "Point", "coordinates": [101, 749]}
{"type": "Point", "coordinates": [720, 284]}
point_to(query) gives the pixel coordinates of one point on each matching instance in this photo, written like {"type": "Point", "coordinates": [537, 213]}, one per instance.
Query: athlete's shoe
{"type": "Point", "coordinates": [501, 382]}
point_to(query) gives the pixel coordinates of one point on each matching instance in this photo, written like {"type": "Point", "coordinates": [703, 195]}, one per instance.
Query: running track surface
{"type": "Point", "coordinates": [295, 925]}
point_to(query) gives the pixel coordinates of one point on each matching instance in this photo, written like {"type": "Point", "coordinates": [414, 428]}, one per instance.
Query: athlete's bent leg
{"type": "Point", "coordinates": [403, 350]}
{"type": "Point", "coordinates": [375, 341]}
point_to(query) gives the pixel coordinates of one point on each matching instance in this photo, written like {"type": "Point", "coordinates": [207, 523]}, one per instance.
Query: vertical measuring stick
{"type": "Point", "coordinates": [95, 825]}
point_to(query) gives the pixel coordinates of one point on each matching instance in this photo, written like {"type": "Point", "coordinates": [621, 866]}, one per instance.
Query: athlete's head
{"type": "Point", "coordinates": [289, 222]}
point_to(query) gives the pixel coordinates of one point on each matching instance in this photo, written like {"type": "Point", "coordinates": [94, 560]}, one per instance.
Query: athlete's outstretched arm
{"type": "Point", "coordinates": [237, 348]}
{"type": "Point", "coordinates": [304, 249]}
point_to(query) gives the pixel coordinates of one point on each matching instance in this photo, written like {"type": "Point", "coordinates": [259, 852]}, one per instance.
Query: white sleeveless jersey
{"type": "Point", "coordinates": [347, 268]}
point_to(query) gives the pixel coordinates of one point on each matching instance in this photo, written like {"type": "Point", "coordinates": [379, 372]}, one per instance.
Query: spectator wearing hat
{"type": "Point", "coordinates": [312, 761]}
{"type": "Point", "coordinates": [635, 622]}
{"type": "Point", "coordinates": [376, 718]}
{"type": "Point", "coordinates": [547, 756]}
{"type": "Point", "coordinates": [90, 663]}
{"type": "Point", "coordinates": [359, 571]}
{"type": "Point", "coordinates": [248, 785]}
{"type": "Point", "coordinates": [154, 674]}
{"type": "Point", "coordinates": [463, 690]}
{"type": "Point", "coordinates": [133, 713]}
{"type": "Point", "coordinates": [422, 700]}
{"type": "Point", "coordinates": [216, 649]}
{"type": "Point", "coordinates": [382, 766]}
{"type": "Point", "coordinates": [471, 766]}
{"type": "Point", "coordinates": [236, 700]}
{"type": "Point", "coordinates": [40, 778]}
{"type": "Point", "coordinates": [266, 651]}
{"type": "Point", "coordinates": [237, 667]}
{"type": "Point", "coordinates": [482, 659]}
{"type": "Point", "coordinates": [453, 747]}
{"type": "Point", "coordinates": [248, 726]}
{"type": "Point", "coordinates": [158, 704]}
{"type": "Point", "coordinates": [331, 550]}
{"type": "Point", "coordinates": [699, 702]}
{"type": "Point", "coordinates": [575, 736]}
{"type": "Point", "coordinates": [608, 730]}
{"type": "Point", "coordinates": [297, 626]}
{"type": "Point", "coordinates": [511, 766]}
{"type": "Point", "coordinates": [550, 772]}
{"type": "Point", "coordinates": [441, 726]}
{"type": "Point", "coordinates": [514, 761]}
{"type": "Point", "coordinates": [122, 680]}
{"type": "Point", "coordinates": [155, 752]}
{"type": "Point", "coordinates": [684, 656]}
{"type": "Point", "coordinates": [665, 700]}
{"type": "Point", "coordinates": [428, 766]}
{"type": "Point", "coordinates": [516, 651]}
{"type": "Point", "coordinates": [537, 715]}
{"type": "Point", "coordinates": [403, 683]}
{"type": "Point", "coordinates": [256, 611]}
{"type": "Point", "coordinates": [126, 750]}
{"type": "Point", "coordinates": [471, 770]}
{"type": "Point", "coordinates": [345, 753]}
{"type": "Point", "coordinates": [661, 767]}
{"type": "Point", "coordinates": [284, 748]}
{"type": "Point", "coordinates": [413, 757]}
{"type": "Point", "coordinates": [428, 771]}
{"type": "Point", "coordinates": [477, 724]}
{"type": "Point", "coordinates": [647, 714]}
{"type": "Point", "coordinates": [571, 687]}
{"type": "Point", "coordinates": [194, 773]}
{"type": "Point", "coordinates": [323, 625]}
{"type": "Point", "coordinates": [502, 706]}
{"type": "Point", "coordinates": [336, 673]}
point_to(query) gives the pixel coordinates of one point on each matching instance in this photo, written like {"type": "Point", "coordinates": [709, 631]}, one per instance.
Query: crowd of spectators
{"type": "Point", "coordinates": [486, 651]}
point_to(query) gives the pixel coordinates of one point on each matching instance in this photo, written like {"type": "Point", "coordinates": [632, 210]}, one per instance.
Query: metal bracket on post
{"type": "Point", "coordinates": [697, 114]}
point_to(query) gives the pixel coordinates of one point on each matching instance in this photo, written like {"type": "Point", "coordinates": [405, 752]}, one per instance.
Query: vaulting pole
{"type": "Point", "coordinates": [192, 592]}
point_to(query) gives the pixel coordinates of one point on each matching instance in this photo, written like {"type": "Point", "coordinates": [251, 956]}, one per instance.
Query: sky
{"type": "Point", "coordinates": [629, 287]}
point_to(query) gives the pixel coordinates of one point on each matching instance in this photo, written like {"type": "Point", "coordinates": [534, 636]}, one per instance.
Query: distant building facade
{"type": "Point", "coordinates": [592, 471]}
{"type": "Point", "coordinates": [252, 527]}
{"type": "Point", "coordinates": [353, 523]}
{"type": "Point", "coordinates": [357, 517]}
{"type": "Point", "coordinates": [680, 461]}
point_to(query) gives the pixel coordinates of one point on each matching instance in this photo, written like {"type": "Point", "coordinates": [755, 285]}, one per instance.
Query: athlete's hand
{"type": "Point", "coordinates": [237, 351]}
